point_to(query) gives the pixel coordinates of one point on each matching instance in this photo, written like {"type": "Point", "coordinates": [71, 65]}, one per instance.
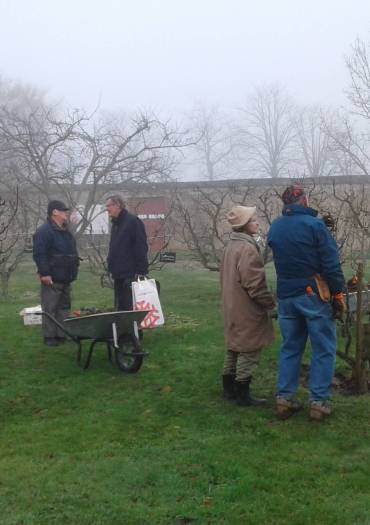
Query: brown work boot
{"type": "Point", "coordinates": [287, 407]}
{"type": "Point", "coordinates": [319, 410]}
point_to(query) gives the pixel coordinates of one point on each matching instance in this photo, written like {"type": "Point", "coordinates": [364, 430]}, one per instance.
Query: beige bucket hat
{"type": "Point", "coordinates": [238, 216]}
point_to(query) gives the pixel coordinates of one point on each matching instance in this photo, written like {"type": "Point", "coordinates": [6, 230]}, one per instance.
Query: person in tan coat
{"type": "Point", "coordinates": [246, 302]}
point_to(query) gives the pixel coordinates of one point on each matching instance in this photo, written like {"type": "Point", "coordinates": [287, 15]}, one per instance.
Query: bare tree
{"type": "Point", "coordinates": [70, 153]}
{"type": "Point", "coordinates": [213, 154]}
{"type": "Point", "coordinates": [356, 205]}
{"type": "Point", "coordinates": [349, 147]}
{"type": "Point", "coordinates": [137, 150]}
{"type": "Point", "coordinates": [267, 133]}
{"type": "Point", "coordinates": [312, 142]}
{"type": "Point", "coordinates": [268, 204]}
{"type": "Point", "coordinates": [349, 138]}
{"type": "Point", "coordinates": [10, 238]}
{"type": "Point", "coordinates": [358, 66]}
{"type": "Point", "coordinates": [349, 142]}
{"type": "Point", "coordinates": [201, 219]}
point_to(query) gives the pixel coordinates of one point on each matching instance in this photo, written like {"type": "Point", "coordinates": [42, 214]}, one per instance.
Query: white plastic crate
{"type": "Point", "coordinates": [30, 317]}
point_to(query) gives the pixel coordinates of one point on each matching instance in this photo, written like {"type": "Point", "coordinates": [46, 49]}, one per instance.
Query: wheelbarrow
{"type": "Point", "coordinates": [118, 330]}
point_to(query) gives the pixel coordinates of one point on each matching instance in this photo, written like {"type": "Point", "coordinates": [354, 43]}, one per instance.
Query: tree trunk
{"type": "Point", "coordinates": [359, 370]}
{"type": "Point", "coordinates": [4, 284]}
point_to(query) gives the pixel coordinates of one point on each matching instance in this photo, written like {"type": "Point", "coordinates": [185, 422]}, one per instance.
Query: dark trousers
{"type": "Point", "coordinates": [55, 300]}
{"type": "Point", "coordinates": [122, 294]}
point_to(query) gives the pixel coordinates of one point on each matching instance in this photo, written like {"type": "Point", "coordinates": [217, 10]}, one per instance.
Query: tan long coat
{"type": "Point", "coordinates": [246, 298]}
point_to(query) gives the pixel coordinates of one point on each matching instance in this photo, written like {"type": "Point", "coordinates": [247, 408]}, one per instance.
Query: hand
{"type": "Point", "coordinates": [139, 276]}
{"type": "Point", "coordinates": [339, 306]}
{"type": "Point", "coordinates": [47, 280]}
{"type": "Point", "coordinates": [329, 221]}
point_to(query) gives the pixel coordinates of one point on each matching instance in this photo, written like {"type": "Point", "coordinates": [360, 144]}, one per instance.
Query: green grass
{"type": "Point", "coordinates": [162, 447]}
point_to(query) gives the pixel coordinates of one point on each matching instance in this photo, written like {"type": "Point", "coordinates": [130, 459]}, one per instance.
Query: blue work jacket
{"type": "Point", "coordinates": [302, 246]}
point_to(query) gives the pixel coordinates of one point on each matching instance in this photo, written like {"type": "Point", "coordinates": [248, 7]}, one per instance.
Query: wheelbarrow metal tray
{"type": "Point", "coordinates": [99, 326]}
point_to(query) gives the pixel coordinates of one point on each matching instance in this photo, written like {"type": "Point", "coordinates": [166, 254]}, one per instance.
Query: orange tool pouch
{"type": "Point", "coordinates": [323, 288]}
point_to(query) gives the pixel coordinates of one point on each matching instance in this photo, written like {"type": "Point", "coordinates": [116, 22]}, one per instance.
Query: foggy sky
{"type": "Point", "coordinates": [168, 54]}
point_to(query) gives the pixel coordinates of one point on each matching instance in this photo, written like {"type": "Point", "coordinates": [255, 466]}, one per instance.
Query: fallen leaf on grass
{"type": "Point", "coordinates": [166, 389]}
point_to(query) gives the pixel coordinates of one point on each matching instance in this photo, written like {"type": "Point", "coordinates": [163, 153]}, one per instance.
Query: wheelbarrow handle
{"type": "Point", "coordinates": [59, 325]}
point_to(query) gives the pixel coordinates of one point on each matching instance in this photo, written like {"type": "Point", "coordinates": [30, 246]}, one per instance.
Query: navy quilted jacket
{"type": "Point", "coordinates": [55, 253]}
{"type": "Point", "coordinates": [128, 248]}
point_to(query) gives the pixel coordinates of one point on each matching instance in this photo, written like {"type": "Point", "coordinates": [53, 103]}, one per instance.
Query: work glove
{"type": "Point", "coordinates": [329, 221]}
{"type": "Point", "coordinates": [339, 306]}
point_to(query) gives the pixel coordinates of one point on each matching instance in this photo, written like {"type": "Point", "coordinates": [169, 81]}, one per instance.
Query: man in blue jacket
{"type": "Point", "coordinates": [303, 248]}
{"type": "Point", "coordinates": [57, 261]}
{"type": "Point", "coordinates": [128, 251]}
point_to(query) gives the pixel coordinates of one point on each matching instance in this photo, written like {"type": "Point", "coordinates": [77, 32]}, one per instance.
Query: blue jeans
{"type": "Point", "coordinates": [301, 317]}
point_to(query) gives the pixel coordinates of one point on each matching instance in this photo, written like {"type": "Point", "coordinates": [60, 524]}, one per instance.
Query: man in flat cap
{"type": "Point", "coordinates": [246, 302]}
{"type": "Point", "coordinates": [57, 261]}
{"type": "Point", "coordinates": [310, 286]}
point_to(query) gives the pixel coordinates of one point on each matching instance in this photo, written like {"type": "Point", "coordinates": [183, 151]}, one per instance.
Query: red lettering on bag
{"type": "Point", "coordinates": [152, 318]}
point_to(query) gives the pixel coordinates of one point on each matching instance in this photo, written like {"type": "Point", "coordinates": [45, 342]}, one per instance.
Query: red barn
{"type": "Point", "coordinates": [153, 212]}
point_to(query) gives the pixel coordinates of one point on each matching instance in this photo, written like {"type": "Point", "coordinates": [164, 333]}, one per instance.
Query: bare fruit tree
{"type": "Point", "coordinates": [72, 154]}
{"type": "Point", "coordinates": [52, 152]}
{"type": "Point", "coordinates": [349, 141]}
{"type": "Point", "coordinates": [356, 217]}
{"type": "Point", "coordinates": [10, 240]}
{"type": "Point", "coordinates": [201, 219]}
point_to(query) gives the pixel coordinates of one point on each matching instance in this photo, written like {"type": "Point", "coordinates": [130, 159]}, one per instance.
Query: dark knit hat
{"type": "Point", "coordinates": [292, 194]}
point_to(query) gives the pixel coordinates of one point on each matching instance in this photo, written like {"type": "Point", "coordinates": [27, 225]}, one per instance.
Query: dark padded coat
{"type": "Point", "coordinates": [128, 248]}
{"type": "Point", "coordinates": [55, 253]}
{"type": "Point", "coordinates": [302, 246]}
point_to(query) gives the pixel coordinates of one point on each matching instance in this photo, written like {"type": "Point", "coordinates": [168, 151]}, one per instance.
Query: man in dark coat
{"type": "Point", "coordinates": [307, 265]}
{"type": "Point", "coordinates": [57, 261]}
{"type": "Point", "coordinates": [128, 251]}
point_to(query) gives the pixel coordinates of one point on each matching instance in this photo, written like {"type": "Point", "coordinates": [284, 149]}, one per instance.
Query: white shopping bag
{"type": "Point", "coordinates": [145, 297]}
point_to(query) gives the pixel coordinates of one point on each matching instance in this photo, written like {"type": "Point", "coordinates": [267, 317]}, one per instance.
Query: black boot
{"type": "Point", "coordinates": [228, 381]}
{"type": "Point", "coordinates": [243, 396]}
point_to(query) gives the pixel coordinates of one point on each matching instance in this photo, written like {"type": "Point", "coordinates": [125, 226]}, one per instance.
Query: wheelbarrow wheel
{"type": "Point", "coordinates": [125, 357]}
